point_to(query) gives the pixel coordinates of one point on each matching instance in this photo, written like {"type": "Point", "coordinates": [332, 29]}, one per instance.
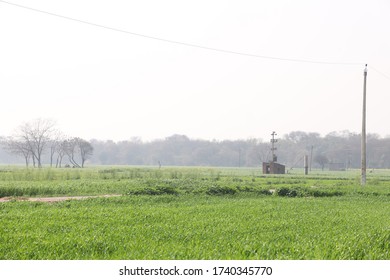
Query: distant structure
{"type": "Point", "coordinates": [273, 167]}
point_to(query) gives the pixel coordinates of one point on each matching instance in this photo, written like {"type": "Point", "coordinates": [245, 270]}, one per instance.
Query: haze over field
{"type": "Point", "coordinates": [99, 83]}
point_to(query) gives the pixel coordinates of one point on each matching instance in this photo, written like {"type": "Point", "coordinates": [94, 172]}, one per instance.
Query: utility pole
{"type": "Point", "coordinates": [311, 156]}
{"type": "Point", "coordinates": [273, 149]}
{"type": "Point", "coordinates": [306, 164]}
{"type": "Point", "coordinates": [363, 145]}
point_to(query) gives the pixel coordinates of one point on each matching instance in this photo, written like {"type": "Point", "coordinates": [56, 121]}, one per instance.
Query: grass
{"type": "Point", "coordinates": [194, 213]}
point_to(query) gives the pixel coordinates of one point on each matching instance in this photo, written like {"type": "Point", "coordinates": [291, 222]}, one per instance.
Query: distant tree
{"type": "Point", "coordinates": [321, 160]}
{"type": "Point", "coordinates": [86, 150]}
{"type": "Point", "coordinates": [36, 135]}
{"type": "Point", "coordinates": [76, 148]}
{"type": "Point", "coordinates": [61, 151]}
{"type": "Point", "coordinates": [55, 144]}
{"type": "Point", "coordinates": [70, 146]}
{"type": "Point", "coordinates": [33, 139]}
{"type": "Point", "coordinates": [17, 147]}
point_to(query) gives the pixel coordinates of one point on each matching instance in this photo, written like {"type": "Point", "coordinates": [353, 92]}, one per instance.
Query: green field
{"type": "Point", "coordinates": [194, 213]}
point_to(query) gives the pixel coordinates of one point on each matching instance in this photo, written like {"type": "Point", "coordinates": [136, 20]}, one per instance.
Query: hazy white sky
{"type": "Point", "coordinates": [99, 83]}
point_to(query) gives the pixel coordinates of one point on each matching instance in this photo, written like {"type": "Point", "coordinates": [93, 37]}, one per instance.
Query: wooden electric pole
{"type": "Point", "coordinates": [363, 146]}
{"type": "Point", "coordinates": [306, 164]}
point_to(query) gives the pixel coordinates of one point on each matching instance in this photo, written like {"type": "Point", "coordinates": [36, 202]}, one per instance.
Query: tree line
{"type": "Point", "coordinates": [336, 148]}
{"type": "Point", "coordinates": [40, 139]}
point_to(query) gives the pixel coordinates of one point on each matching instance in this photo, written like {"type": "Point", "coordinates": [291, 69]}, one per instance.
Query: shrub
{"type": "Point", "coordinates": [284, 191]}
{"type": "Point", "coordinates": [221, 190]}
{"type": "Point", "coordinates": [157, 190]}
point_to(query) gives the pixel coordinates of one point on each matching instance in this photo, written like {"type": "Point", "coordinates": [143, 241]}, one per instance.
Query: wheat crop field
{"type": "Point", "coordinates": [192, 213]}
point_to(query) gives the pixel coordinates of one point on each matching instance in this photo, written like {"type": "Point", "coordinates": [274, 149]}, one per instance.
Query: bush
{"type": "Point", "coordinates": [221, 190]}
{"type": "Point", "coordinates": [157, 190]}
{"type": "Point", "coordinates": [284, 191]}
{"type": "Point", "coordinates": [304, 191]}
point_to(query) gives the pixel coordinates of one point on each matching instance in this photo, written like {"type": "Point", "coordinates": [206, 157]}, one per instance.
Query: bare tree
{"type": "Point", "coordinates": [36, 135]}
{"type": "Point", "coordinates": [61, 151]}
{"type": "Point", "coordinates": [17, 147]}
{"type": "Point", "coordinates": [86, 150]}
{"type": "Point", "coordinates": [34, 138]}
{"type": "Point", "coordinates": [70, 150]}
{"type": "Point", "coordinates": [56, 146]}
{"type": "Point", "coordinates": [77, 148]}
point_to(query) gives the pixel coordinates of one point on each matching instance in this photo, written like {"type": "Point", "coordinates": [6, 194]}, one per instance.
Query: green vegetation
{"type": "Point", "coordinates": [194, 213]}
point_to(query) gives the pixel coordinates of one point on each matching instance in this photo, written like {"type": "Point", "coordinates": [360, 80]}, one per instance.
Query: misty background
{"type": "Point", "coordinates": [179, 150]}
{"type": "Point", "coordinates": [191, 77]}
{"type": "Point", "coordinates": [237, 69]}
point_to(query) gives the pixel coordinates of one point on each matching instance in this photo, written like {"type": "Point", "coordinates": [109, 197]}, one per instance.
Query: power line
{"type": "Point", "coordinates": [381, 73]}
{"type": "Point", "coordinates": [180, 42]}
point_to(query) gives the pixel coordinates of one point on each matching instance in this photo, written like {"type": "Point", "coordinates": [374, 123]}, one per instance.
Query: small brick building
{"type": "Point", "coordinates": [273, 168]}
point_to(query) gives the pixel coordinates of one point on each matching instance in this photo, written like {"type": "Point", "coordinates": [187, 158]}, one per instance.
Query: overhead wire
{"type": "Point", "coordinates": [381, 73]}
{"type": "Point", "coordinates": [180, 42]}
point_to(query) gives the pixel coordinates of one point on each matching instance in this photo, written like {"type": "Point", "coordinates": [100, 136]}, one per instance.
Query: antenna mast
{"type": "Point", "coordinates": [273, 149]}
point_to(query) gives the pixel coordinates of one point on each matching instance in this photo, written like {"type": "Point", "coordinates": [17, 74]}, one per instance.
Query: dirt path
{"type": "Point", "coordinates": [53, 199]}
